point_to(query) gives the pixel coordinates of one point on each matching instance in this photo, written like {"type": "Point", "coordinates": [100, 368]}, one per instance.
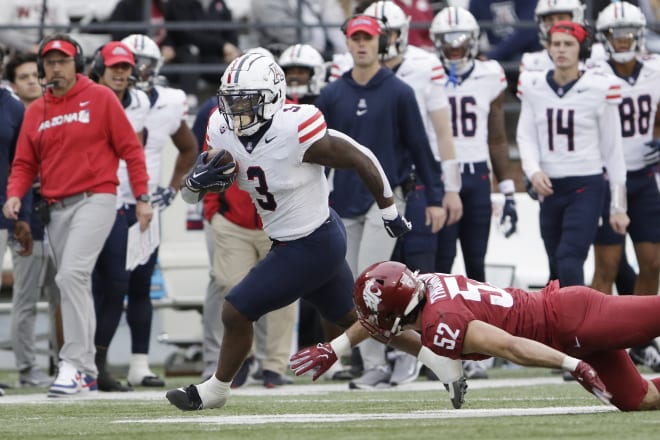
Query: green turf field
{"type": "Point", "coordinates": [512, 404]}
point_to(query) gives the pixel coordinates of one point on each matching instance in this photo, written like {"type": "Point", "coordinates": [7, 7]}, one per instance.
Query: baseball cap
{"type": "Point", "coordinates": [571, 28]}
{"type": "Point", "coordinates": [116, 52]}
{"type": "Point", "coordinates": [363, 23]}
{"type": "Point", "coordinates": [60, 45]}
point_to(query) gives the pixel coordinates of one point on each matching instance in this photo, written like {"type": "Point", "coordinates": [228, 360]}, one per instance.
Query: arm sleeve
{"type": "Point", "coordinates": [24, 166]}
{"type": "Point", "coordinates": [527, 140]}
{"type": "Point", "coordinates": [417, 143]}
{"type": "Point", "coordinates": [127, 146]}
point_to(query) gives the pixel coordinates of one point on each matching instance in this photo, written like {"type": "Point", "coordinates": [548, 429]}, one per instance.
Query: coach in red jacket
{"type": "Point", "coordinates": [73, 138]}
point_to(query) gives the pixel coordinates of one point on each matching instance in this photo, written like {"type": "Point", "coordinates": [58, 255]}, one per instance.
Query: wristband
{"type": "Point", "coordinates": [569, 363]}
{"type": "Point", "coordinates": [341, 345]}
{"type": "Point", "coordinates": [390, 213]}
{"type": "Point", "coordinates": [507, 187]}
{"type": "Point", "coordinates": [451, 175]}
{"type": "Point", "coordinates": [619, 200]}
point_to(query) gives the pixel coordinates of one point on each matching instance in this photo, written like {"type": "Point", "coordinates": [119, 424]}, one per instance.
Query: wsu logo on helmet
{"type": "Point", "coordinates": [371, 295]}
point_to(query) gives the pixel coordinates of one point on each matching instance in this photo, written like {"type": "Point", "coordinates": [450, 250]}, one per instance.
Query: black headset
{"type": "Point", "coordinates": [97, 68]}
{"type": "Point", "coordinates": [585, 46]}
{"type": "Point", "coordinates": [78, 59]}
{"type": "Point", "coordinates": [383, 37]}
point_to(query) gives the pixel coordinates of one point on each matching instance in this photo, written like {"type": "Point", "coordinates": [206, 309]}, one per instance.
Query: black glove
{"type": "Point", "coordinates": [653, 156]}
{"type": "Point", "coordinates": [162, 197]}
{"type": "Point", "coordinates": [398, 226]}
{"type": "Point", "coordinates": [509, 218]}
{"type": "Point", "coordinates": [211, 176]}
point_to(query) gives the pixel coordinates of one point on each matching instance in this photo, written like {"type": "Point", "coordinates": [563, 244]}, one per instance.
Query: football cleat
{"type": "Point", "coordinates": [457, 390]}
{"type": "Point", "coordinates": [186, 399]}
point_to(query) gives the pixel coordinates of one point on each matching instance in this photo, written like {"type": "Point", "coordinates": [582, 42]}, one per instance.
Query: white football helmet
{"type": "Point", "coordinates": [454, 29]}
{"type": "Point", "coordinates": [549, 7]}
{"type": "Point", "coordinates": [304, 55]}
{"type": "Point", "coordinates": [148, 59]}
{"type": "Point", "coordinates": [252, 90]}
{"type": "Point", "coordinates": [622, 20]}
{"type": "Point", "coordinates": [261, 51]}
{"type": "Point", "coordinates": [395, 20]}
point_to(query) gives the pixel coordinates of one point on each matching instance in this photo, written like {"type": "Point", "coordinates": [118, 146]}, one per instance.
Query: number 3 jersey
{"type": "Point", "coordinates": [470, 102]}
{"type": "Point", "coordinates": [453, 301]}
{"type": "Point", "coordinates": [291, 196]}
{"type": "Point", "coordinates": [570, 130]}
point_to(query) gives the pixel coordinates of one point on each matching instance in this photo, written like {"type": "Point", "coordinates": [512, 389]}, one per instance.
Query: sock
{"type": "Point", "coordinates": [213, 392]}
{"type": "Point", "coordinates": [139, 368]}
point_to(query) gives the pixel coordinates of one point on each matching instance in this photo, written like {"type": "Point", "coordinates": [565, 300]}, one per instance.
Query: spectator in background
{"type": "Point", "coordinates": [281, 31]}
{"type": "Point", "coordinates": [133, 10]}
{"type": "Point", "coordinates": [28, 270]}
{"type": "Point", "coordinates": [30, 12]}
{"type": "Point", "coordinates": [507, 39]}
{"type": "Point", "coordinates": [421, 14]}
{"type": "Point", "coordinates": [191, 46]}
{"type": "Point", "coordinates": [76, 159]}
{"type": "Point", "coordinates": [651, 10]}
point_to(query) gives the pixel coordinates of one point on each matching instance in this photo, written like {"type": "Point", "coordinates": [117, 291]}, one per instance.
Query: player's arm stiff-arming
{"type": "Point", "coordinates": [337, 150]}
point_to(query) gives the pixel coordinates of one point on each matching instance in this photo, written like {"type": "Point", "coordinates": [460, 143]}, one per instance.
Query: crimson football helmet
{"type": "Point", "coordinates": [384, 295]}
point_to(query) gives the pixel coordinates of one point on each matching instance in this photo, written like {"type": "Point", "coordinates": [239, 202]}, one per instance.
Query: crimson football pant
{"type": "Point", "coordinates": [597, 328]}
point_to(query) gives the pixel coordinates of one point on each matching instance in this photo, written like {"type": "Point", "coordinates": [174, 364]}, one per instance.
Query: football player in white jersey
{"type": "Point", "coordinates": [112, 66]}
{"type": "Point", "coordinates": [621, 29]}
{"type": "Point", "coordinates": [546, 14]}
{"type": "Point", "coordinates": [166, 120]}
{"type": "Point", "coordinates": [423, 72]}
{"type": "Point", "coordinates": [280, 152]}
{"type": "Point", "coordinates": [568, 130]}
{"type": "Point", "coordinates": [476, 95]}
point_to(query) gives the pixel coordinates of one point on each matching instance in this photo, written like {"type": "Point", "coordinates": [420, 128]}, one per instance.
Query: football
{"type": "Point", "coordinates": [225, 159]}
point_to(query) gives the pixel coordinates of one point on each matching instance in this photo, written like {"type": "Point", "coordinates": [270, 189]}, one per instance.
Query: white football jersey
{"type": "Point", "coordinates": [290, 195]}
{"type": "Point", "coordinates": [572, 130]}
{"type": "Point", "coordinates": [640, 97]}
{"type": "Point", "coordinates": [423, 71]}
{"type": "Point", "coordinates": [469, 104]}
{"type": "Point", "coordinates": [137, 113]}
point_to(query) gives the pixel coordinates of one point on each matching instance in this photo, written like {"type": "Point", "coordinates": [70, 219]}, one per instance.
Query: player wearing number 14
{"type": "Point", "coordinates": [568, 130]}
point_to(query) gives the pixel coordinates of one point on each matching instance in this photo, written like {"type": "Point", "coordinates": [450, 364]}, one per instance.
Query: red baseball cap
{"type": "Point", "coordinates": [570, 28]}
{"type": "Point", "coordinates": [61, 45]}
{"type": "Point", "coordinates": [363, 23]}
{"type": "Point", "coordinates": [116, 52]}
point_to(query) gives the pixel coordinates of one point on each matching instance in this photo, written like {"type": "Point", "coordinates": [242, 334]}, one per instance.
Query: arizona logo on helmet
{"type": "Point", "coordinates": [371, 295]}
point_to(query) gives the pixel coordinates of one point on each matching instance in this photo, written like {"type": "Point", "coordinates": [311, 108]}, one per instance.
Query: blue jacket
{"type": "Point", "coordinates": [507, 43]}
{"type": "Point", "coordinates": [11, 115]}
{"type": "Point", "coordinates": [383, 116]}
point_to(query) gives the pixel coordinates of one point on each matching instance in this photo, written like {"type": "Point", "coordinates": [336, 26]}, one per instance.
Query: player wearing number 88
{"type": "Point", "coordinates": [568, 130]}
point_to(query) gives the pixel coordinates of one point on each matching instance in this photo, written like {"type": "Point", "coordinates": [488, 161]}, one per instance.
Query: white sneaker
{"type": "Point", "coordinates": [406, 369]}
{"type": "Point", "coordinates": [34, 377]}
{"type": "Point", "coordinates": [372, 378]}
{"type": "Point", "coordinates": [71, 382]}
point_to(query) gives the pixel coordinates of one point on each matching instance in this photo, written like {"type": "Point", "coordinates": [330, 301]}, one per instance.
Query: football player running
{"type": "Point", "coordinates": [575, 328]}
{"type": "Point", "coordinates": [281, 152]}
{"type": "Point", "coordinates": [621, 29]}
{"type": "Point", "coordinates": [567, 131]}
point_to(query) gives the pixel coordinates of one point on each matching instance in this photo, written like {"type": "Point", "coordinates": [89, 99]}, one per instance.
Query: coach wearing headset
{"type": "Point", "coordinates": [73, 138]}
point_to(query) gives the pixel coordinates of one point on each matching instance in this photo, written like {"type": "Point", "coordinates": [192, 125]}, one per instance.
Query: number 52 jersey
{"type": "Point", "coordinates": [573, 129]}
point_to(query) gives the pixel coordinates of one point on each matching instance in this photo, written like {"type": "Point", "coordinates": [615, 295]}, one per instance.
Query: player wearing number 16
{"type": "Point", "coordinates": [568, 130]}
{"type": "Point", "coordinates": [281, 152]}
{"type": "Point", "coordinates": [577, 329]}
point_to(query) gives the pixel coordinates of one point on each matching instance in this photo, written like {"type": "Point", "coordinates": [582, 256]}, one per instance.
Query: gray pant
{"type": "Point", "coordinates": [28, 282]}
{"type": "Point", "coordinates": [76, 235]}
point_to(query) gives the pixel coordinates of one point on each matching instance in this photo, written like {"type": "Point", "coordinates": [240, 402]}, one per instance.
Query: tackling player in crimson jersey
{"type": "Point", "coordinates": [574, 328]}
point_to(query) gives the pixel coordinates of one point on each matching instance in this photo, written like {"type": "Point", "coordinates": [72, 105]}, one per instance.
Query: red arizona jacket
{"type": "Point", "coordinates": [74, 143]}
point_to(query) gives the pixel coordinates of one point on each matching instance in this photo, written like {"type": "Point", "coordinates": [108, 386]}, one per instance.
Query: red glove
{"type": "Point", "coordinates": [589, 379]}
{"type": "Point", "coordinates": [319, 359]}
